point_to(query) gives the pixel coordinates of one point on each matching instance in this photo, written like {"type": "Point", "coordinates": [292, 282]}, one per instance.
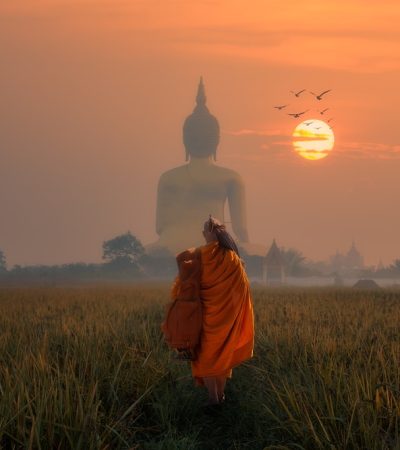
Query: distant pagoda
{"type": "Point", "coordinates": [273, 268]}
{"type": "Point", "coordinates": [352, 260]}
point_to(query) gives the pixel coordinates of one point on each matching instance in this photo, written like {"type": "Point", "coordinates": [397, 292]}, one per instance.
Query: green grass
{"type": "Point", "coordinates": [87, 368]}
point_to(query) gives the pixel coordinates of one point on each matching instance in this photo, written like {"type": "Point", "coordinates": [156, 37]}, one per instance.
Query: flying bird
{"type": "Point", "coordinates": [317, 128]}
{"type": "Point", "coordinates": [308, 123]}
{"type": "Point", "coordinates": [281, 106]}
{"type": "Point", "coordinates": [319, 96]}
{"type": "Point", "coordinates": [323, 111]}
{"type": "Point", "coordinates": [297, 115]}
{"type": "Point", "coordinates": [330, 120]}
{"type": "Point", "coordinates": [297, 94]}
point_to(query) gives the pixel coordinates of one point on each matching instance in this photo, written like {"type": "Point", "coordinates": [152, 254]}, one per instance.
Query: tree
{"type": "Point", "coordinates": [395, 267]}
{"type": "Point", "coordinates": [3, 263]}
{"type": "Point", "coordinates": [293, 261]}
{"type": "Point", "coordinates": [123, 249]}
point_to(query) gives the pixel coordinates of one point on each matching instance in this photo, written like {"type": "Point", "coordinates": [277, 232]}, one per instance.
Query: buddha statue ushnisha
{"type": "Point", "coordinates": [188, 194]}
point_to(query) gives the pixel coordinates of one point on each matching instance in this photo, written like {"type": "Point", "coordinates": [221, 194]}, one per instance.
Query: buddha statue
{"type": "Point", "coordinates": [188, 194]}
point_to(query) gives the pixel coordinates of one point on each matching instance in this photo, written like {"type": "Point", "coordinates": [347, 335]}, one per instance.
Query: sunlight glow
{"type": "Point", "coordinates": [313, 139]}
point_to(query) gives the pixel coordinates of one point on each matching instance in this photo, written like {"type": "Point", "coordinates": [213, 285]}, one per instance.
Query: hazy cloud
{"type": "Point", "coordinates": [370, 150]}
{"type": "Point", "coordinates": [259, 143]}
{"type": "Point", "coordinates": [251, 132]}
{"type": "Point", "coordinates": [242, 35]}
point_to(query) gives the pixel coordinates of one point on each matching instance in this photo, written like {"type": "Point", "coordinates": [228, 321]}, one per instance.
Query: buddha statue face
{"type": "Point", "coordinates": [201, 129]}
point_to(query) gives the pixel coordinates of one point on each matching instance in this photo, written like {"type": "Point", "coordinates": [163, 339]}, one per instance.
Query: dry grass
{"type": "Point", "coordinates": [86, 368]}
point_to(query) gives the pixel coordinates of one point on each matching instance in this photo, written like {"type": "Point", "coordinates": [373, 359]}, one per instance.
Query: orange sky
{"type": "Point", "coordinates": [94, 94]}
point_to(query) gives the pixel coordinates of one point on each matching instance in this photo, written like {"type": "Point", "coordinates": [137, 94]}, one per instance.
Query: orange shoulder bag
{"type": "Point", "coordinates": [183, 320]}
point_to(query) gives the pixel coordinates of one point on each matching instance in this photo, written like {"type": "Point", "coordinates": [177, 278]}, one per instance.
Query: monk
{"type": "Point", "coordinates": [227, 337]}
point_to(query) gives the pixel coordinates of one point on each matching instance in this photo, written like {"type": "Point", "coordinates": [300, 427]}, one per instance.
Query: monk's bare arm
{"type": "Point", "coordinates": [237, 207]}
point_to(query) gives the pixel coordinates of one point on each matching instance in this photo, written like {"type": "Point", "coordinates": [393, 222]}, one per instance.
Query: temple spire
{"type": "Point", "coordinates": [201, 97]}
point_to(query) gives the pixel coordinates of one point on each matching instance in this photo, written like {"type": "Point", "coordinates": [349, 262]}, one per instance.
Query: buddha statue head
{"type": "Point", "coordinates": [201, 129]}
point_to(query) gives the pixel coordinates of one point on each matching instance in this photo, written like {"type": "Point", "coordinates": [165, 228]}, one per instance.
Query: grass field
{"type": "Point", "coordinates": [87, 368]}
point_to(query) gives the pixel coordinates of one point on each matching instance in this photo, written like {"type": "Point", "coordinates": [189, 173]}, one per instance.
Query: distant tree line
{"type": "Point", "coordinates": [295, 264]}
{"type": "Point", "coordinates": [392, 270]}
{"type": "Point", "coordinates": [125, 259]}
{"type": "Point", "coordinates": [124, 256]}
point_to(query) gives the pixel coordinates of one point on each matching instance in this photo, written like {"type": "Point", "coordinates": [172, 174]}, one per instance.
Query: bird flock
{"type": "Point", "coordinates": [318, 97]}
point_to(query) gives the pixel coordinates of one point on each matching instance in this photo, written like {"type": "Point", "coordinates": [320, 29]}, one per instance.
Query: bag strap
{"type": "Point", "coordinates": [197, 254]}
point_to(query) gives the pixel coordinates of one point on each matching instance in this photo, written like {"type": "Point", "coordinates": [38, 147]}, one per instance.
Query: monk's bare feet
{"type": "Point", "coordinates": [214, 401]}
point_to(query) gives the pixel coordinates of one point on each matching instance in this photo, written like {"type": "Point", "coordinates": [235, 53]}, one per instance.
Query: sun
{"type": "Point", "coordinates": [313, 139]}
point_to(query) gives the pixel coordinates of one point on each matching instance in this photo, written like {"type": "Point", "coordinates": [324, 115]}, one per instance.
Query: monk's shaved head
{"type": "Point", "coordinates": [207, 233]}
{"type": "Point", "coordinates": [213, 223]}
{"type": "Point", "coordinates": [216, 230]}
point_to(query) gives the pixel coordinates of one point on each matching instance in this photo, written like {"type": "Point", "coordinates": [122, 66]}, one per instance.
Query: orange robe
{"type": "Point", "coordinates": [227, 337]}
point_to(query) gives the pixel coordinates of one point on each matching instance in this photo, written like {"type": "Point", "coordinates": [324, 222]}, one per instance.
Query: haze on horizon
{"type": "Point", "coordinates": [94, 95]}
